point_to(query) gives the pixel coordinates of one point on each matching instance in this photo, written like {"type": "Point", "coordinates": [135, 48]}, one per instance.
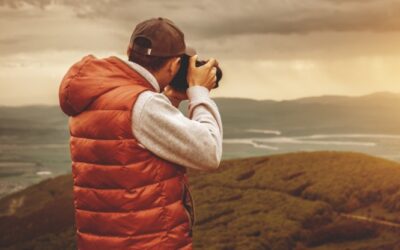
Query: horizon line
{"type": "Point", "coordinates": [243, 98]}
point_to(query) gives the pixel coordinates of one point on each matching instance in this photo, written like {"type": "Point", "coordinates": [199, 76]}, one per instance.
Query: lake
{"type": "Point", "coordinates": [22, 165]}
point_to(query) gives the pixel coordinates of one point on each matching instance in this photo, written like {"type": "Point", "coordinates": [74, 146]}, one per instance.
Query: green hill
{"type": "Point", "coordinates": [291, 201]}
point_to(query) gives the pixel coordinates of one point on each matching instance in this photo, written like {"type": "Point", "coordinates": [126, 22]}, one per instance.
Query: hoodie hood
{"type": "Point", "coordinates": [91, 77]}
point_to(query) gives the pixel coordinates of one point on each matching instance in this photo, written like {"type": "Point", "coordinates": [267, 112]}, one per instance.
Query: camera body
{"type": "Point", "coordinates": [179, 82]}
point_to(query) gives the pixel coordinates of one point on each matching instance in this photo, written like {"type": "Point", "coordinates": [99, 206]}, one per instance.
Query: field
{"type": "Point", "coordinates": [306, 200]}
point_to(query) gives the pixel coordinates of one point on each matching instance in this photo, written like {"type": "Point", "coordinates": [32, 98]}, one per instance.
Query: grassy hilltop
{"type": "Point", "coordinates": [291, 201]}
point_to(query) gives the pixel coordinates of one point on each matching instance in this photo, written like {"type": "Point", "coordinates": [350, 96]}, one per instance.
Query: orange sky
{"type": "Point", "coordinates": [267, 49]}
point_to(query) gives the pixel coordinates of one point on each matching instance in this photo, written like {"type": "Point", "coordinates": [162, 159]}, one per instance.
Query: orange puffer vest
{"type": "Point", "coordinates": [125, 197]}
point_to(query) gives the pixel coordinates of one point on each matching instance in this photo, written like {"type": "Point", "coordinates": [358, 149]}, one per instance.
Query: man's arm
{"type": "Point", "coordinates": [164, 130]}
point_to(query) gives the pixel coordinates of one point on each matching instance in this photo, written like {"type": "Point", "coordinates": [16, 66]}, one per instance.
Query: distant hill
{"type": "Point", "coordinates": [319, 200]}
{"type": "Point", "coordinates": [337, 99]}
{"type": "Point", "coordinates": [324, 114]}
{"type": "Point", "coordinates": [374, 113]}
{"type": "Point", "coordinates": [37, 124]}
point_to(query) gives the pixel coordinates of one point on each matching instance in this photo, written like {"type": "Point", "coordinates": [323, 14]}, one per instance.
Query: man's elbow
{"type": "Point", "coordinates": [212, 161]}
{"type": "Point", "coordinates": [212, 165]}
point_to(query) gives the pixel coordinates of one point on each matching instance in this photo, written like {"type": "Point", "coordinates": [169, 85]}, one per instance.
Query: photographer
{"type": "Point", "coordinates": [130, 145]}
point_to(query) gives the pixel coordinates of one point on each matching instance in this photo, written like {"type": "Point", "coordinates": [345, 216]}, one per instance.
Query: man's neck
{"type": "Point", "coordinates": [151, 78]}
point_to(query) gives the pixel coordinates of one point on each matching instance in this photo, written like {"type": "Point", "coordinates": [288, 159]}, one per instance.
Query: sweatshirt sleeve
{"type": "Point", "coordinates": [194, 142]}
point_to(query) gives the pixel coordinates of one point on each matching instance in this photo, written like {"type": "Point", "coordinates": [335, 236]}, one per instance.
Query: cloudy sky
{"type": "Point", "coordinates": [268, 49]}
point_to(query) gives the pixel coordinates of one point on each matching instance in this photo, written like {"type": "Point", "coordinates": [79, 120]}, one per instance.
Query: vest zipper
{"type": "Point", "coordinates": [187, 198]}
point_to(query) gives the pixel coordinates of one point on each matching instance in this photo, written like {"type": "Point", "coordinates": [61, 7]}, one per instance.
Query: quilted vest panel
{"type": "Point", "coordinates": [125, 197]}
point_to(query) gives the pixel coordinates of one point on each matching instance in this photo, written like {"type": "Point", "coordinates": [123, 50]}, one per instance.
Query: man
{"type": "Point", "coordinates": [130, 145]}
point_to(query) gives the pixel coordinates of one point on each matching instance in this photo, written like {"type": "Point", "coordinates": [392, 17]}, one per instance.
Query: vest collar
{"type": "Point", "coordinates": [144, 72]}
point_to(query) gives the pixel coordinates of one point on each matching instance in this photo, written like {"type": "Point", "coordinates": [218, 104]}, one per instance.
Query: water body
{"type": "Point", "coordinates": [22, 165]}
{"type": "Point", "coordinates": [274, 141]}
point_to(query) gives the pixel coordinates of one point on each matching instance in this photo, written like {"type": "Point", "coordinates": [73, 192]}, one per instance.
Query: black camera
{"type": "Point", "coordinates": [179, 82]}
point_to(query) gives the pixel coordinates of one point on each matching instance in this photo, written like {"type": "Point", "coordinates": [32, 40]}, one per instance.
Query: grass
{"type": "Point", "coordinates": [288, 201]}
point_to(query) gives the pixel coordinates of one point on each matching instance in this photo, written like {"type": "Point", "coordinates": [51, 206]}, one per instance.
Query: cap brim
{"type": "Point", "coordinates": [190, 51]}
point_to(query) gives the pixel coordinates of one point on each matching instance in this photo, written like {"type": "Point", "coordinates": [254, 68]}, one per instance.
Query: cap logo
{"type": "Point", "coordinates": [148, 51]}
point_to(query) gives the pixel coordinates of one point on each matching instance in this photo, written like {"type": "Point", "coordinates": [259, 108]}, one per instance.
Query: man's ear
{"type": "Point", "coordinates": [175, 64]}
{"type": "Point", "coordinates": [128, 51]}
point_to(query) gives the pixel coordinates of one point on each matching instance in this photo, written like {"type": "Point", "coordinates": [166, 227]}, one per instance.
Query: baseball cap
{"type": "Point", "coordinates": [165, 38]}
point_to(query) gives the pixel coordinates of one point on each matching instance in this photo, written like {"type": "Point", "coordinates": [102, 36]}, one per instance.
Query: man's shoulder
{"type": "Point", "coordinates": [150, 102]}
{"type": "Point", "coordinates": [151, 97]}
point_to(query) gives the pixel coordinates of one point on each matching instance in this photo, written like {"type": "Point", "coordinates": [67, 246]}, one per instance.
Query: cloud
{"type": "Point", "coordinates": [278, 49]}
{"type": "Point", "coordinates": [84, 24]}
{"type": "Point", "coordinates": [210, 18]}
{"type": "Point", "coordinates": [288, 79]}
{"type": "Point", "coordinates": [295, 17]}
{"type": "Point", "coordinates": [266, 29]}
{"type": "Point", "coordinates": [82, 8]}
{"type": "Point", "coordinates": [57, 28]}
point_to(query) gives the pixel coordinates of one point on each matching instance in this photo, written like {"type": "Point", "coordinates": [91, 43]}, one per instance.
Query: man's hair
{"type": "Point", "coordinates": [152, 63]}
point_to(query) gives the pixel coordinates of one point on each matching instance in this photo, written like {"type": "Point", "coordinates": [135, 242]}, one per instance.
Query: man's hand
{"type": "Point", "coordinates": [204, 75]}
